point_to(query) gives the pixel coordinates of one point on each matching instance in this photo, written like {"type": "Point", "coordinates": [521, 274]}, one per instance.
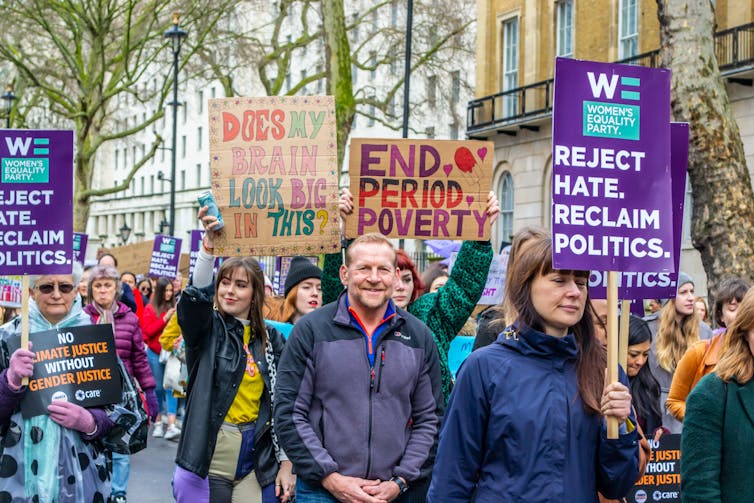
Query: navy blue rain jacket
{"type": "Point", "coordinates": [516, 430]}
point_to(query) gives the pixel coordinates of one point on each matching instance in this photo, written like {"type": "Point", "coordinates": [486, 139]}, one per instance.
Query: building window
{"type": "Point", "coordinates": [183, 146]}
{"type": "Point", "coordinates": [373, 64]}
{"type": "Point", "coordinates": [141, 184]}
{"type": "Point", "coordinates": [117, 156]}
{"type": "Point", "coordinates": [455, 86]}
{"type": "Point", "coordinates": [506, 208]}
{"type": "Point", "coordinates": [372, 112]}
{"type": "Point", "coordinates": [688, 204]}
{"type": "Point", "coordinates": [183, 179]}
{"type": "Point", "coordinates": [199, 138]}
{"type": "Point", "coordinates": [432, 90]}
{"type": "Point", "coordinates": [430, 132]}
{"type": "Point", "coordinates": [151, 184]}
{"type": "Point", "coordinates": [628, 36]}
{"type": "Point", "coordinates": [184, 111]}
{"type": "Point", "coordinates": [453, 131]}
{"type": "Point", "coordinates": [303, 78]}
{"type": "Point", "coordinates": [510, 66]}
{"type": "Point", "coordinates": [564, 35]}
{"type": "Point", "coordinates": [200, 101]}
{"type": "Point", "coordinates": [198, 175]}
{"type": "Point", "coordinates": [394, 14]}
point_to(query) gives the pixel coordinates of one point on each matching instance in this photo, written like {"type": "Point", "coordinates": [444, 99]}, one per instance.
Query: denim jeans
{"type": "Point", "coordinates": [158, 371]}
{"type": "Point", "coordinates": [308, 493]}
{"type": "Point", "coordinates": [121, 470]}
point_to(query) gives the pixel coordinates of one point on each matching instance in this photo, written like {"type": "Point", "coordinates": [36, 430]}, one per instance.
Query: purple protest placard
{"type": "Point", "coordinates": [79, 247]}
{"type": "Point", "coordinates": [656, 285]}
{"type": "Point", "coordinates": [166, 256]}
{"type": "Point", "coordinates": [611, 168]}
{"type": "Point", "coordinates": [196, 244]}
{"type": "Point", "coordinates": [36, 202]}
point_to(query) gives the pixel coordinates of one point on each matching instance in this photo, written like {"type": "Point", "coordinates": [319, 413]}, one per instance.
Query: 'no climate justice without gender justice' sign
{"type": "Point", "coordinates": [74, 364]}
{"type": "Point", "coordinates": [36, 202]}
{"type": "Point", "coordinates": [611, 177]}
{"type": "Point", "coordinates": [274, 174]}
{"type": "Point", "coordinates": [422, 189]}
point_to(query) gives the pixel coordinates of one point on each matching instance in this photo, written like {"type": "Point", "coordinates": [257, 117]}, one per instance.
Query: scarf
{"type": "Point", "coordinates": [46, 451]}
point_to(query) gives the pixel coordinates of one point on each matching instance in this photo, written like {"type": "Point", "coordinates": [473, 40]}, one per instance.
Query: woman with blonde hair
{"type": "Point", "coordinates": [674, 330]}
{"type": "Point", "coordinates": [718, 434]}
{"type": "Point", "coordinates": [701, 358]}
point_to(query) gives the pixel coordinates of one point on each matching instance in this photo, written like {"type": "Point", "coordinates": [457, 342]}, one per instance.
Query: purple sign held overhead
{"type": "Point", "coordinates": [79, 247]}
{"type": "Point", "coordinates": [36, 202]}
{"type": "Point", "coordinates": [166, 256]}
{"type": "Point", "coordinates": [656, 285]}
{"type": "Point", "coordinates": [611, 168]}
{"type": "Point", "coordinates": [196, 244]}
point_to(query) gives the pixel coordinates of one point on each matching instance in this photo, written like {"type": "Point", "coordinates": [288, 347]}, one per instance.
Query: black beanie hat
{"type": "Point", "coordinates": [299, 270]}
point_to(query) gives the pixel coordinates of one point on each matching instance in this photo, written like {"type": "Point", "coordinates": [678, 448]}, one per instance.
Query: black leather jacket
{"type": "Point", "coordinates": [216, 362]}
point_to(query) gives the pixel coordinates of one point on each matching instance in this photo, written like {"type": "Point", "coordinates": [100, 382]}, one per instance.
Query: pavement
{"type": "Point", "coordinates": [152, 472]}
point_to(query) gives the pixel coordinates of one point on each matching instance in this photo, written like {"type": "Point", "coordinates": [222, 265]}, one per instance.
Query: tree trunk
{"type": "Point", "coordinates": [338, 60]}
{"type": "Point", "coordinates": [723, 210]}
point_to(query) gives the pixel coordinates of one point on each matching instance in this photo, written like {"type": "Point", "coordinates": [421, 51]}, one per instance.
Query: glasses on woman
{"type": "Point", "coordinates": [47, 288]}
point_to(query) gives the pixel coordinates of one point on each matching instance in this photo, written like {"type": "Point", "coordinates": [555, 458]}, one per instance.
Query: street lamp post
{"type": "Point", "coordinates": [9, 98]}
{"type": "Point", "coordinates": [176, 35]}
{"type": "Point", "coordinates": [407, 75]}
{"type": "Point", "coordinates": [124, 233]}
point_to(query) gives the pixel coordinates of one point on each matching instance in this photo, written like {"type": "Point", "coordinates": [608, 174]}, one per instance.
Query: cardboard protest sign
{"type": "Point", "coordinates": [10, 291]}
{"type": "Point", "coordinates": [424, 189]}
{"type": "Point", "coordinates": [79, 247]}
{"type": "Point", "coordinates": [656, 285]}
{"type": "Point", "coordinates": [166, 256]}
{"type": "Point", "coordinates": [275, 174]}
{"type": "Point", "coordinates": [611, 168]}
{"type": "Point", "coordinates": [74, 364]}
{"type": "Point", "coordinates": [662, 478]}
{"type": "Point", "coordinates": [36, 202]}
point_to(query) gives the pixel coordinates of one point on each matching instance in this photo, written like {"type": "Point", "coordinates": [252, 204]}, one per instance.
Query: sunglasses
{"type": "Point", "coordinates": [49, 287]}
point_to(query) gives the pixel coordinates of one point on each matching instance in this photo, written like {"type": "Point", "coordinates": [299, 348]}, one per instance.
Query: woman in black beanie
{"type": "Point", "coordinates": [302, 291]}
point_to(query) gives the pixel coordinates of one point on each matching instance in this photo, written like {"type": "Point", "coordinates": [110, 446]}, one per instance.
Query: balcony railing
{"type": "Point", "coordinates": [734, 49]}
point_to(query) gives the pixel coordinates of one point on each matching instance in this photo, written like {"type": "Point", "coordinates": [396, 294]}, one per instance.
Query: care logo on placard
{"type": "Point", "coordinates": [24, 166]}
{"type": "Point", "coordinates": [167, 245]}
{"type": "Point", "coordinates": [605, 119]}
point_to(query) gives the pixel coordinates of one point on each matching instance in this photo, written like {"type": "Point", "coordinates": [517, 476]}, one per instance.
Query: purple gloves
{"type": "Point", "coordinates": [72, 416]}
{"type": "Point", "coordinates": [21, 365]}
{"type": "Point", "coordinates": [152, 405]}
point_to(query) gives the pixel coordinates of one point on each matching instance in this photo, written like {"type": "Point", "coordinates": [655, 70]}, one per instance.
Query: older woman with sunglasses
{"type": "Point", "coordinates": [52, 457]}
{"type": "Point", "coordinates": [104, 308]}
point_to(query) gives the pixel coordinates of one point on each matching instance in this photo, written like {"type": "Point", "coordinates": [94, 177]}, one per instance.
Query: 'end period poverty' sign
{"type": "Point", "coordinates": [611, 179]}
{"type": "Point", "coordinates": [424, 189]}
{"type": "Point", "coordinates": [275, 175]}
{"type": "Point", "coordinates": [36, 202]}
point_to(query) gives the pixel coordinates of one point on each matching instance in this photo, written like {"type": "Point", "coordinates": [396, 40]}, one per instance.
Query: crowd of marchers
{"type": "Point", "coordinates": [341, 390]}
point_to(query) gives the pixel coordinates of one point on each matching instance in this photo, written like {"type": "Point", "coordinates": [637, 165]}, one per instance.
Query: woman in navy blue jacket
{"type": "Point", "coordinates": [525, 421]}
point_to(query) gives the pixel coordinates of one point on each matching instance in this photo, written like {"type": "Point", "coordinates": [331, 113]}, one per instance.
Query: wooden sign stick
{"type": "Point", "coordinates": [625, 315]}
{"type": "Point", "coordinates": [25, 318]}
{"type": "Point", "coordinates": [612, 344]}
